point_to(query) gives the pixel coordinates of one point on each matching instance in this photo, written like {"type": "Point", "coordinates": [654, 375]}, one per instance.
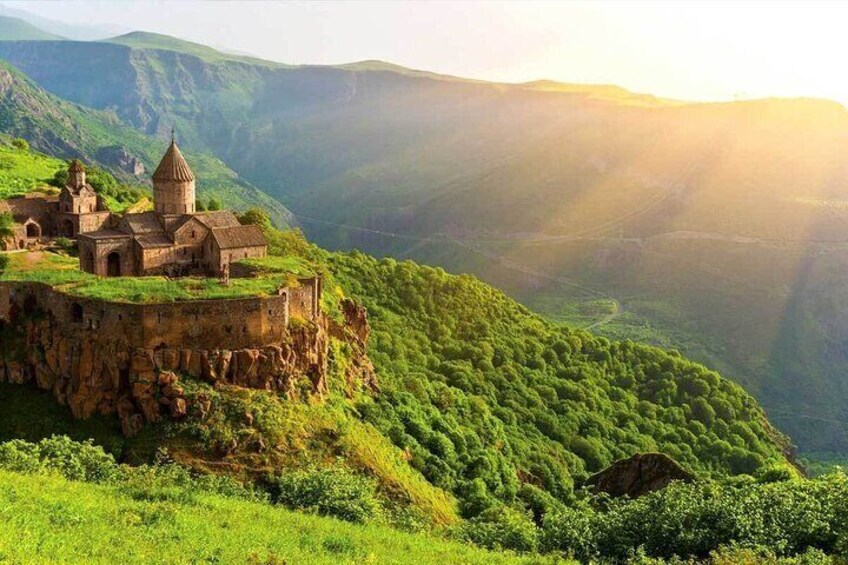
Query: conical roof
{"type": "Point", "coordinates": [173, 166]}
{"type": "Point", "coordinates": [76, 167]}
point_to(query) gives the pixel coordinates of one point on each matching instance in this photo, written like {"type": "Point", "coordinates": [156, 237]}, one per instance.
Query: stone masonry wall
{"type": "Point", "coordinates": [114, 358]}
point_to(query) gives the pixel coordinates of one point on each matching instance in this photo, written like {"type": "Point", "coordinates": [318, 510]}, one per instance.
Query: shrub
{"type": "Point", "coordinates": [501, 528]}
{"type": "Point", "coordinates": [20, 144]}
{"type": "Point", "coordinates": [330, 492]}
{"type": "Point", "coordinates": [66, 245]}
{"type": "Point", "coordinates": [59, 454]}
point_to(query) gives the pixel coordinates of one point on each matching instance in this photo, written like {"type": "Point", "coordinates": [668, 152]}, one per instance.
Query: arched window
{"type": "Point", "coordinates": [76, 312]}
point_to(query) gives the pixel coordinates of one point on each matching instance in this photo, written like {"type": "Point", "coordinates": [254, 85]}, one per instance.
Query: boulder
{"type": "Point", "coordinates": [178, 408]}
{"type": "Point", "coordinates": [637, 475]}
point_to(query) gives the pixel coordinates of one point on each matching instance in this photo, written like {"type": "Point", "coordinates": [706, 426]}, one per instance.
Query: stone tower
{"type": "Point", "coordinates": [76, 175]}
{"type": "Point", "coordinates": [173, 184]}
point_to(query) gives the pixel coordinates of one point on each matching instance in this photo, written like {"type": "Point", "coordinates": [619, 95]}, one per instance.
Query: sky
{"type": "Point", "coordinates": [687, 50]}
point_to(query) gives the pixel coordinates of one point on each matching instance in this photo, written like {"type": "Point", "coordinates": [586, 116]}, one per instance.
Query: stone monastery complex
{"type": "Point", "coordinates": [127, 358]}
{"type": "Point", "coordinates": [173, 239]}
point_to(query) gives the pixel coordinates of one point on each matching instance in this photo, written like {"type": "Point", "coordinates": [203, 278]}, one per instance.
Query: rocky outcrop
{"type": "Point", "coordinates": [355, 331]}
{"type": "Point", "coordinates": [97, 373]}
{"type": "Point", "coordinates": [117, 157]}
{"type": "Point", "coordinates": [638, 475]}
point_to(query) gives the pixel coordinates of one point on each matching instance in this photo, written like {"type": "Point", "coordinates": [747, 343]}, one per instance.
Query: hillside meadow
{"type": "Point", "coordinates": [50, 519]}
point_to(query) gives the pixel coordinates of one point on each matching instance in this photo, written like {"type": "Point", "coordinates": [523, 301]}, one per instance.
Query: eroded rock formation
{"type": "Point", "coordinates": [95, 372]}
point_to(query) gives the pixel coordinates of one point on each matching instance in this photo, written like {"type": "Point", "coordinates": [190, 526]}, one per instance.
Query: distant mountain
{"type": "Point", "coordinates": [63, 29]}
{"type": "Point", "coordinates": [718, 229]}
{"type": "Point", "coordinates": [68, 130]}
{"type": "Point", "coordinates": [148, 40]}
{"type": "Point", "coordinates": [16, 29]}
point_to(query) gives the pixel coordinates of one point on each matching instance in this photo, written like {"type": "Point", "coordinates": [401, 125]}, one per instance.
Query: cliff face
{"type": "Point", "coordinates": [95, 372]}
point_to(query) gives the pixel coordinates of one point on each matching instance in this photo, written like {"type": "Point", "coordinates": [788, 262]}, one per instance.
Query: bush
{"type": "Point", "coordinates": [86, 462]}
{"type": "Point", "coordinates": [59, 454]}
{"type": "Point", "coordinates": [501, 528]}
{"type": "Point", "coordinates": [20, 144]}
{"type": "Point", "coordinates": [329, 492]}
{"type": "Point", "coordinates": [66, 245]}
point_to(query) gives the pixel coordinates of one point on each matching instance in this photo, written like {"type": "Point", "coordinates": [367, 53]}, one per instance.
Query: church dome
{"type": "Point", "coordinates": [76, 167]}
{"type": "Point", "coordinates": [173, 166]}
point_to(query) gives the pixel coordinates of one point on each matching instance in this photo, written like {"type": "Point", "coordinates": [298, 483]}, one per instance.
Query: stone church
{"type": "Point", "coordinates": [76, 209]}
{"type": "Point", "coordinates": [173, 239]}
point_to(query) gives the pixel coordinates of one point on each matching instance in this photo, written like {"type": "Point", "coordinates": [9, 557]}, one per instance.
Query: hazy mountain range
{"type": "Point", "coordinates": [718, 229]}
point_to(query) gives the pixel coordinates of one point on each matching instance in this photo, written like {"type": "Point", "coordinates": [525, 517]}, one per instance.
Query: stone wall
{"type": "Point", "coordinates": [96, 372]}
{"type": "Point", "coordinates": [82, 223]}
{"type": "Point", "coordinates": [34, 205]}
{"type": "Point", "coordinates": [305, 298]}
{"type": "Point", "coordinates": [206, 324]}
{"type": "Point", "coordinates": [102, 357]}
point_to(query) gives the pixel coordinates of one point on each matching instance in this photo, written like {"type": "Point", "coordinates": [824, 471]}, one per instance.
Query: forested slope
{"type": "Point", "coordinates": [486, 395]}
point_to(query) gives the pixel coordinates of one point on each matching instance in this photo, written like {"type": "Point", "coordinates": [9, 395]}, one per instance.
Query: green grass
{"type": "Point", "coordinates": [62, 272]}
{"type": "Point", "coordinates": [22, 171]}
{"type": "Point", "coordinates": [49, 519]}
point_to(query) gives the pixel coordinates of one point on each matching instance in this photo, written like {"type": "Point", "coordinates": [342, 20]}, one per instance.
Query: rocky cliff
{"type": "Point", "coordinates": [94, 372]}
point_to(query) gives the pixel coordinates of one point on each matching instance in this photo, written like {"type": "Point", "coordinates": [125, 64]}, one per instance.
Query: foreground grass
{"type": "Point", "coordinates": [49, 519]}
{"type": "Point", "coordinates": [62, 272]}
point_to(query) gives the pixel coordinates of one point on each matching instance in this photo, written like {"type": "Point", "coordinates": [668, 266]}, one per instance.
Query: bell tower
{"type": "Point", "coordinates": [76, 175]}
{"type": "Point", "coordinates": [173, 183]}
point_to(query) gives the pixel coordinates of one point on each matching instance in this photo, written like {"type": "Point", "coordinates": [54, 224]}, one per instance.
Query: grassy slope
{"type": "Point", "coordinates": [24, 171]}
{"type": "Point", "coordinates": [147, 40]}
{"type": "Point", "coordinates": [51, 519]}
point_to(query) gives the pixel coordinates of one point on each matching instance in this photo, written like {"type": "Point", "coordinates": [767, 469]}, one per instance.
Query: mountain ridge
{"type": "Point", "coordinates": [17, 29]}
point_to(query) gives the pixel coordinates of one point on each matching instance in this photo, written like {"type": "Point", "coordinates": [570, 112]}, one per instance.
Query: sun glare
{"type": "Point", "coordinates": [700, 51]}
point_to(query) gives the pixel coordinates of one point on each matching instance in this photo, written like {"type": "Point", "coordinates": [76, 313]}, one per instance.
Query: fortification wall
{"type": "Point", "coordinates": [116, 358]}
{"type": "Point", "coordinates": [101, 357]}
{"type": "Point", "coordinates": [203, 324]}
